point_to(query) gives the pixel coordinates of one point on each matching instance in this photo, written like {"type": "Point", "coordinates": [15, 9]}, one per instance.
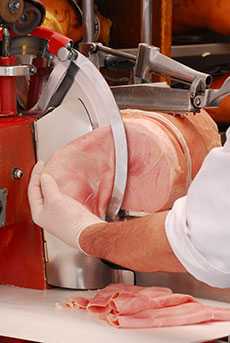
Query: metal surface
{"type": "Point", "coordinates": [101, 55]}
{"type": "Point", "coordinates": [3, 206]}
{"type": "Point", "coordinates": [150, 97]}
{"type": "Point", "coordinates": [17, 173]}
{"type": "Point", "coordinates": [28, 45]}
{"type": "Point", "coordinates": [146, 21]}
{"type": "Point", "coordinates": [88, 20]}
{"type": "Point", "coordinates": [65, 54]}
{"type": "Point", "coordinates": [167, 99]}
{"type": "Point", "coordinates": [200, 49]}
{"type": "Point", "coordinates": [82, 110]}
{"type": "Point", "coordinates": [94, 47]}
{"type": "Point", "coordinates": [149, 59]}
{"type": "Point", "coordinates": [102, 111]}
{"type": "Point", "coordinates": [193, 50]}
{"type": "Point", "coordinates": [5, 42]}
{"type": "Point", "coordinates": [54, 81]}
{"type": "Point", "coordinates": [18, 70]}
{"type": "Point", "coordinates": [69, 268]}
{"type": "Point", "coordinates": [214, 97]}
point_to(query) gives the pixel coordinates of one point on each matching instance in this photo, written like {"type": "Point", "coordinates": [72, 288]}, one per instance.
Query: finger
{"type": "Point", "coordinates": [34, 190]}
{"type": "Point", "coordinates": [50, 190]}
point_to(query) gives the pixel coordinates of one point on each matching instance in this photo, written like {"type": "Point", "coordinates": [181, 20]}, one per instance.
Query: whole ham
{"type": "Point", "coordinates": [165, 153]}
{"type": "Point", "coordinates": [128, 306]}
{"type": "Point", "coordinates": [221, 114]}
{"type": "Point", "coordinates": [212, 15]}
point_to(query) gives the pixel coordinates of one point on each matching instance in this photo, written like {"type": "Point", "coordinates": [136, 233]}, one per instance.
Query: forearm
{"type": "Point", "coordinates": [139, 244]}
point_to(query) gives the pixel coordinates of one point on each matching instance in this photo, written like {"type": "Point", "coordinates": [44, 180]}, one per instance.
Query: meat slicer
{"type": "Point", "coordinates": [51, 94]}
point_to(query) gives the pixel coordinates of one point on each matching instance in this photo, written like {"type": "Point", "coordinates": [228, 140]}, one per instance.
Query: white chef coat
{"type": "Point", "coordinates": [198, 226]}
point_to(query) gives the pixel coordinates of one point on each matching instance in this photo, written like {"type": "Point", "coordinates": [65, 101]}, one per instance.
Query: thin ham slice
{"type": "Point", "coordinates": [79, 303]}
{"type": "Point", "coordinates": [165, 153]}
{"type": "Point", "coordinates": [184, 314]}
{"type": "Point", "coordinates": [106, 299]}
{"type": "Point", "coordinates": [127, 306]}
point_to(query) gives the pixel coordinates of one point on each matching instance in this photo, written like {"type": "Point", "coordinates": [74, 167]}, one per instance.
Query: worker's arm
{"type": "Point", "coordinates": [197, 227]}
{"type": "Point", "coordinates": [138, 244]}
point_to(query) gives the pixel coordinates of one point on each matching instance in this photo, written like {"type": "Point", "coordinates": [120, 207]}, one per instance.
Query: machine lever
{"type": "Point", "coordinates": [214, 96]}
{"type": "Point", "coordinates": [149, 59]}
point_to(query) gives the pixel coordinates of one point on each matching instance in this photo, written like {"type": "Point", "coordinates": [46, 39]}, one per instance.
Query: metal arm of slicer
{"type": "Point", "coordinates": [150, 96]}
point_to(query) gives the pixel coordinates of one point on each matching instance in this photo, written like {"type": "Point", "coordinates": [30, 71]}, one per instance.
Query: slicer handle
{"type": "Point", "coordinates": [149, 59]}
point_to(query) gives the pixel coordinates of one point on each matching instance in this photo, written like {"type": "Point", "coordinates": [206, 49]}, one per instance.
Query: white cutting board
{"type": "Point", "coordinates": [33, 315]}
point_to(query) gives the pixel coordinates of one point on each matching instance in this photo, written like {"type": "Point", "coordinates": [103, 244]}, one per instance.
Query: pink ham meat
{"type": "Point", "coordinates": [79, 303]}
{"type": "Point", "coordinates": [184, 314]}
{"type": "Point", "coordinates": [126, 306]}
{"type": "Point", "coordinates": [106, 299]}
{"type": "Point", "coordinates": [165, 152]}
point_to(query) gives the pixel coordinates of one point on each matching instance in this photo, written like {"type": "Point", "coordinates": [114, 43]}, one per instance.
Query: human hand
{"type": "Point", "coordinates": [56, 212]}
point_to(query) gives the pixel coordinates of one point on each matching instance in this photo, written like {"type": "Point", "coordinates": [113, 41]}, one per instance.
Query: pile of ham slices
{"type": "Point", "coordinates": [128, 306]}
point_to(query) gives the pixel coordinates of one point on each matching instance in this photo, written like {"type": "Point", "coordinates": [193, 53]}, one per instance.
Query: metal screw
{"type": "Point", "coordinates": [65, 54]}
{"type": "Point", "coordinates": [197, 101]}
{"type": "Point", "coordinates": [33, 70]}
{"type": "Point", "coordinates": [17, 173]}
{"type": "Point", "coordinates": [14, 5]}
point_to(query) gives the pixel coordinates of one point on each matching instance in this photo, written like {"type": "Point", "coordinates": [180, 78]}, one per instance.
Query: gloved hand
{"type": "Point", "coordinates": [55, 212]}
{"type": "Point", "coordinates": [198, 226]}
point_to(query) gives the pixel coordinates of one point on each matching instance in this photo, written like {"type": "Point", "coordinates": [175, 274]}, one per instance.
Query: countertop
{"type": "Point", "coordinates": [33, 315]}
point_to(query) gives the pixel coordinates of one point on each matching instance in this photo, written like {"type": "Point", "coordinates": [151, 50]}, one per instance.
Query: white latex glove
{"type": "Point", "coordinates": [55, 212]}
{"type": "Point", "coordinates": [198, 226]}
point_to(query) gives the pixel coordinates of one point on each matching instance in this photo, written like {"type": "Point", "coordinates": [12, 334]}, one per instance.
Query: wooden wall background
{"type": "Point", "coordinates": [125, 16]}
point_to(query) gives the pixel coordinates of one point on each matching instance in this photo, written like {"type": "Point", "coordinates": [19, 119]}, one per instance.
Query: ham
{"type": "Point", "coordinates": [184, 314]}
{"type": "Point", "coordinates": [127, 306]}
{"type": "Point", "coordinates": [186, 18]}
{"type": "Point", "coordinates": [80, 303]}
{"type": "Point", "coordinates": [107, 298]}
{"type": "Point", "coordinates": [221, 114]}
{"type": "Point", "coordinates": [165, 153]}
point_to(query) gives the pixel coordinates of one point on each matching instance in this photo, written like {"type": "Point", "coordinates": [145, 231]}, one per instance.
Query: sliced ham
{"type": "Point", "coordinates": [106, 299]}
{"type": "Point", "coordinates": [79, 303]}
{"type": "Point", "coordinates": [185, 314]}
{"type": "Point", "coordinates": [165, 153]}
{"type": "Point", "coordinates": [127, 306]}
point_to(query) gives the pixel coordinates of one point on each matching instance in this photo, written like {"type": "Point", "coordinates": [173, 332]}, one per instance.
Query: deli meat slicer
{"type": "Point", "coordinates": [50, 94]}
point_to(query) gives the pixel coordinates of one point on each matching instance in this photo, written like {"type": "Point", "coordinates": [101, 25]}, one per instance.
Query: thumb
{"type": "Point", "coordinates": [34, 191]}
{"type": "Point", "coordinates": [49, 188]}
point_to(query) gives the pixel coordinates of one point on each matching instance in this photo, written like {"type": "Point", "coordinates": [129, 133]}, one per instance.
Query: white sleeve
{"type": "Point", "coordinates": [198, 226]}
